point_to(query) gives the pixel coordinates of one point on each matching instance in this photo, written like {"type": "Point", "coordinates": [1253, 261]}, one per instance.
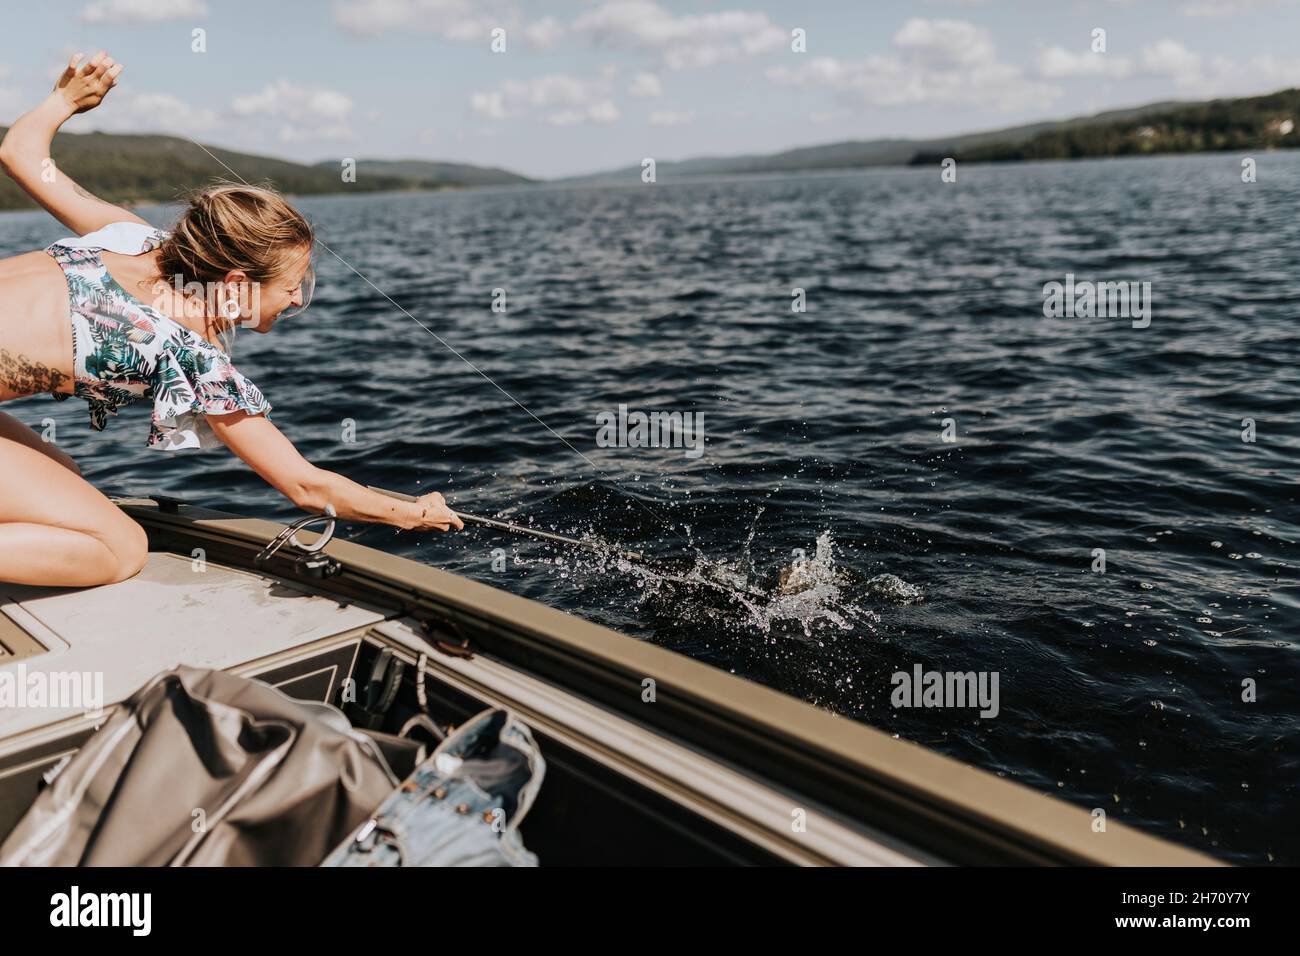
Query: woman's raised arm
{"type": "Point", "coordinates": [25, 151]}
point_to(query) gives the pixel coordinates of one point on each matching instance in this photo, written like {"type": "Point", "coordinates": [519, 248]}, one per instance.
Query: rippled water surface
{"type": "Point", "coordinates": [825, 432]}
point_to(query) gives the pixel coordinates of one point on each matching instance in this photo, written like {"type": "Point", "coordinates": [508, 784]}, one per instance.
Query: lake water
{"type": "Point", "coordinates": [954, 465]}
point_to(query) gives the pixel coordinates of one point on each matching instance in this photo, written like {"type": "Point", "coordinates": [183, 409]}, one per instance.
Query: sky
{"type": "Point", "coordinates": [588, 85]}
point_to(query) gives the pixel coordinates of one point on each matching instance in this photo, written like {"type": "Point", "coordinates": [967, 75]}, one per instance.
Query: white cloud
{"type": "Point", "coordinates": [1276, 70]}
{"type": "Point", "coordinates": [155, 113]}
{"type": "Point", "coordinates": [1189, 72]}
{"type": "Point", "coordinates": [670, 118]}
{"type": "Point", "coordinates": [168, 112]}
{"type": "Point", "coordinates": [1225, 8]}
{"type": "Point", "coordinates": [678, 41]}
{"type": "Point", "coordinates": [945, 43]}
{"type": "Point", "coordinates": [943, 62]}
{"type": "Point", "coordinates": [491, 105]}
{"type": "Point", "coordinates": [1170, 58]}
{"type": "Point", "coordinates": [566, 118]}
{"type": "Point", "coordinates": [1055, 63]}
{"type": "Point", "coordinates": [561, 99]}
{"type": "Point", "coordinates": [681, 42]}
{"type": "Point", "coordinates": [1219, 75]}
{"type": "Point", "coordinates": [544, 33]}
{"type": "Point", "coordinates": [290, 101]}
{"type": "Point", "coordinates": [645, 84]}
{"type": "Point", "coordinates": [554, 89]}
{"type": "Point", "coordinates": [143, 11]}
{"type": "Point", "coordinates": [603, 112]}
{"type": "Point", "coordinates": [304, 113]}
{"type": "Point", "coordinates": [332, 132]}
{"type": "Point", "coordinates": [462, 20]}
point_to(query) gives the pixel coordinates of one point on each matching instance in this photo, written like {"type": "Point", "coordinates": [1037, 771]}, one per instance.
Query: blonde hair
{"type": "Point", "coordinates": [233, 226]}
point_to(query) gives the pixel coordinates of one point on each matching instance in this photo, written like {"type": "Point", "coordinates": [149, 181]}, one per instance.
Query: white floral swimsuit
{"type": "Point", "coordinates": [124, 351]}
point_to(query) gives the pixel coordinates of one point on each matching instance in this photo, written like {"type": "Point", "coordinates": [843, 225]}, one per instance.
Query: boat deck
{"type": "Point", "coordinates": [176, 611]}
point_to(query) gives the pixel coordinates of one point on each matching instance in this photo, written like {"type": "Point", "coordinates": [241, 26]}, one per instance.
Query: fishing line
{"type": "Point", "coordinates": [666, 521]}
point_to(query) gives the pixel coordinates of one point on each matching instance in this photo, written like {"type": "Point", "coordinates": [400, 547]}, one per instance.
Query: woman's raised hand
{"type": "Point", "coordinates": [84, 85]}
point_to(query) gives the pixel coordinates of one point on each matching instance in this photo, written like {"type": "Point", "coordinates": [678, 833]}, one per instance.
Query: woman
{"type": "Point", "coordinates": [74, 321]}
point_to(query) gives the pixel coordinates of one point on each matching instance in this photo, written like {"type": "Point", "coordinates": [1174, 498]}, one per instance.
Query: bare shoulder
{"type": "Point", "coordinates": [29, 263]}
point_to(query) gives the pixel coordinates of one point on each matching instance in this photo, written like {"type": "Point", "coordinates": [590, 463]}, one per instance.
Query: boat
{"type": "Point", "coordinates": [653, 758]}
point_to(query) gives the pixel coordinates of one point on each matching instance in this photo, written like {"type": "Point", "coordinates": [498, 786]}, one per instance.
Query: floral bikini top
{"type": "Point", "coordinates": [124, 350]}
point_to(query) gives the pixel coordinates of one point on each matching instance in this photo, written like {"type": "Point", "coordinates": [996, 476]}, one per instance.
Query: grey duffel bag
{"type": "Point", "coordinates": [200, 767]}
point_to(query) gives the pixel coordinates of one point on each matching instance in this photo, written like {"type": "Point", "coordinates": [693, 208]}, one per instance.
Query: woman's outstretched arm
{"type": "Point", "coordinates": [266, 450]}
{"type": "Point", "coordinates": [25, 151]}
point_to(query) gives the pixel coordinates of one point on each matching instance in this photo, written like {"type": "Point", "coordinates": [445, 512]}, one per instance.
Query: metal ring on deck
{"type": "Point", "coordinates": [290, 535]}
{"type": "Point", "coordinates": [325, 535]}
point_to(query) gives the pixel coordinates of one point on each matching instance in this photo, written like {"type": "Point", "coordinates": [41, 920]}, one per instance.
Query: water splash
{"type": "Point", "coordinates": [815, 591]}
{"type": "Point", "coordinates": [733, 594]}
{"type": "Point", "coordinates": [744, 600]}
{"type": "Point", "coordinates": [892, 588]}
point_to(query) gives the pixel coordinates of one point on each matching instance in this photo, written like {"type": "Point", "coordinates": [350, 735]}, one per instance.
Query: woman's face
{"type": "Point", "coordinates": [260, 303]}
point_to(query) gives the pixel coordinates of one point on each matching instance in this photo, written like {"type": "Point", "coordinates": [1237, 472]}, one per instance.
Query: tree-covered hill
{"type": "Point", "coordinates": [1249, 123]}
{"type": "Point", "coordinates": [125, 168]}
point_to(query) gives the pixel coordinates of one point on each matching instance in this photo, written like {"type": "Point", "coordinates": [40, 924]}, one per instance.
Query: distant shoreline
{"type": "Point", "coordinates": [134, 168]}
{"type": "Point", "coordinates": [1243, 123]}
{"type": "Point", "coordinates": [691, 178]}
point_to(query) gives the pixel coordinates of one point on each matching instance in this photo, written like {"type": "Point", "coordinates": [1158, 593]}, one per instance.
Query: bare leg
{"type": "Point", "coordinates": [15, 430]}
{"type": "Point", "coordinates": [56, 529]}
{"type": "Point", "coordinates": [39, 554]}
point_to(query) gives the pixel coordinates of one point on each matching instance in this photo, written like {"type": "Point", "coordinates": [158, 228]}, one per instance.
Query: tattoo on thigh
{"type": "Point", "coordinates": [22, 376]}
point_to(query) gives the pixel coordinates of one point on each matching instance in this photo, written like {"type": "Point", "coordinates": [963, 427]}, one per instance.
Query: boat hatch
{"type": "Point", "coordinates": [16, 642]}
{"type": "Point", "coordinates": [178, 610]}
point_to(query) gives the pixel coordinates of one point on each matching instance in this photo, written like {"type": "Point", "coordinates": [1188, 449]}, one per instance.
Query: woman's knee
{"type": "Point", "coordinates": [53, 496]}
{"type": "Point", "coordinates": [130, 548]}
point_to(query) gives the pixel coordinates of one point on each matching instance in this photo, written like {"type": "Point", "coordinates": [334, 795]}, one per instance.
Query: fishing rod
{"type": "Point", "coordinates": [635, 556]}
{"type": "Point", "coordinates": [521, 529]}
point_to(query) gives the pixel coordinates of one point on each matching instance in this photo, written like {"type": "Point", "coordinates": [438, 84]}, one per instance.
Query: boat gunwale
{"type": "Point", "coordinates": [947, 807]}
